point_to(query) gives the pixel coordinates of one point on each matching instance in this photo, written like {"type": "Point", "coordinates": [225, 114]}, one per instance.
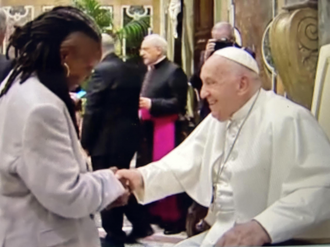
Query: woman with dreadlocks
{"type": "Point", "coordinates": [47, 197]}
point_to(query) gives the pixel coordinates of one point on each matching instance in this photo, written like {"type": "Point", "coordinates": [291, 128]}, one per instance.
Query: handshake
{"type": "Point", "coordinates": [131, 180]}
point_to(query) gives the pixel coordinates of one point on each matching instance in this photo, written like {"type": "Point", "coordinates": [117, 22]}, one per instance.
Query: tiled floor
{"type": "Point", "coordinates": [158, 239]}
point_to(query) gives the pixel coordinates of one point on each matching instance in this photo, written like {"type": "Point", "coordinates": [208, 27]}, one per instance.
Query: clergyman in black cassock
{"type": "Point", "coordinates": [164, 96]}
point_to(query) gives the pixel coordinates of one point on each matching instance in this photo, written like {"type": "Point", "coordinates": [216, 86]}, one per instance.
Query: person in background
{"type": "Point", "coordinates": [111, 133]}
{"type": "Point", "coordinates": [5, 64]}
{"type": "Point", "coordinates": [47, 195]}
{"type": "Point", "coordinates": [162, 104]}
{"type": "Point", "coordinates": [223, 35]}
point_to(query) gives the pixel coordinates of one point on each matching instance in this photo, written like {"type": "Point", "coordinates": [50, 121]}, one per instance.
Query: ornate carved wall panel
{"type": "Point", "coordinates": [109, 8]}
{"type": "Point", "coordinates": [131, 12]}
{"type": "Point", "coordinates": [17, 15]}
{"type": "Point", "coordinates": [294, 45]}
{"type": "Point", "coordinates": [47, 8]}
{"type": "Point", "coordinates": [267, 58]}
{"type": "Point", "coordinates": [266, 50]}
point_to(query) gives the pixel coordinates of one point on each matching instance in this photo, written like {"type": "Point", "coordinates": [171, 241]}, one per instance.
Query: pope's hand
{"type": "Point", "coordinates": [247, 234]}
{"type": "Point", "coordinates": [133, 177]}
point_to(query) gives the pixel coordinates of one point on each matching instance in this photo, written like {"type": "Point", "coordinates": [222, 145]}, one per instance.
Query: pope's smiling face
{"type": "Point", "coordinates": [221, 87]}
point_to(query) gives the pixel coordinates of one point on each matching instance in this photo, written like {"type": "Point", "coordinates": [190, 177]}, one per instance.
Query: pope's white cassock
{"type": "Point", "coordinates": [277, 173]}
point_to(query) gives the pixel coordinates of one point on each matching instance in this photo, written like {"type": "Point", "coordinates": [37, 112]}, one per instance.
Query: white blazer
{"type": "Point", "coordinates": [47, 196]}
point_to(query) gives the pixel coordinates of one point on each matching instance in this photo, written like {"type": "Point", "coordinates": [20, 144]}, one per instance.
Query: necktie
{"type": "Point", "coordinates": [146, 81]}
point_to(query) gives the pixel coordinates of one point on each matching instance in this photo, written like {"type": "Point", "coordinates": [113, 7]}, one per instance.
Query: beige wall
{"type": "Point", "coordinates": [117, 10]}
{"type": "Point", "coordinates": [221, 10]}
{"type": "Point", "coordinates": [280, 4]}
{"type": "Point", "coordinates": [38, 4]}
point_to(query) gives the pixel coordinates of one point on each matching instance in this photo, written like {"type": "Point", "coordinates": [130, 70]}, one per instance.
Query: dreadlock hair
{"type": "Point", "coordinates": [37, 50]}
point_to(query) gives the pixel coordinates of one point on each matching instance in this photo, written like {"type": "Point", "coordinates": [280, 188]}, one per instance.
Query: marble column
{"type": "Point", "coordinates": [324, 22]}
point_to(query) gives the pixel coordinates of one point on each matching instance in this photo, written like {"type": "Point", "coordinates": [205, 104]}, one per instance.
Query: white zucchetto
{"type": "Point", "coordinates": [239, 56]}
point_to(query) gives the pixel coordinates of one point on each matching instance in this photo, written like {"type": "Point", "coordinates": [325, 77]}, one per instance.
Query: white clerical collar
{"type": "Point", "coordinates": [243, 111]}
{"type": "Point", "coordinates": [158, 61]}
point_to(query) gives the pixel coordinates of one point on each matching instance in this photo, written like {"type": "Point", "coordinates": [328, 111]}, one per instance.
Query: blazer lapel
{"type": "Point", "coordinates": [76, 146]}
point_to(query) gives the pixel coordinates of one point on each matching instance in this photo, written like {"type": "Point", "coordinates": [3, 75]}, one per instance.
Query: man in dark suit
{"type": "Point", "coordinates": [110, 133]}
{"type": "Point", "coordinates": [162, 105]}
{"type": "Point", "coordinates": [5, 64]}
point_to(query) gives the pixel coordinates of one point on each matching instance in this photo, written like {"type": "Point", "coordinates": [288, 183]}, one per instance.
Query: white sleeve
{"type": "Point", "coordinates": [51, 171]}
{"type": "Point", "coordinates": [302, 158]}
{"type": "Point", "coordinates": [180, 171]}
{"type": "Point", "coordinates": [159, 182]}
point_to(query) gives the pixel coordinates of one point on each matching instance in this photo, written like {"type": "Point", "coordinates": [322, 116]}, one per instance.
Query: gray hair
{"type": "Point", "coordinates": [3, 21]}
{"type": "Point", "coordinates": [108, 44]}
{"type": "Point", "coordinates": [157, 41]}
{"type": "Point", "coordinates": [226, 25]}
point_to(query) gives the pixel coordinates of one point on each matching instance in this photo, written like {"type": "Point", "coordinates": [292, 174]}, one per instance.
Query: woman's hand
{"type": "Point", "coordinates": [120, 201]}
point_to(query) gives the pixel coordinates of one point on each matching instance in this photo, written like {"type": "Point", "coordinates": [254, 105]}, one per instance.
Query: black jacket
{"type": "Point", "coordinates": [167, 89]}
{"type": "Point", "coordinates": [111, 122]}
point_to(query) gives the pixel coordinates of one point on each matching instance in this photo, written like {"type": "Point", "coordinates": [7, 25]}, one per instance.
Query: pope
{"type": "Point", "coordinates": [260, 162]}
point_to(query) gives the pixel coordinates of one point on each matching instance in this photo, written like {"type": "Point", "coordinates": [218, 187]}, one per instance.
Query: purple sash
{"type": "Point", "coordinates": [164, 134]}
